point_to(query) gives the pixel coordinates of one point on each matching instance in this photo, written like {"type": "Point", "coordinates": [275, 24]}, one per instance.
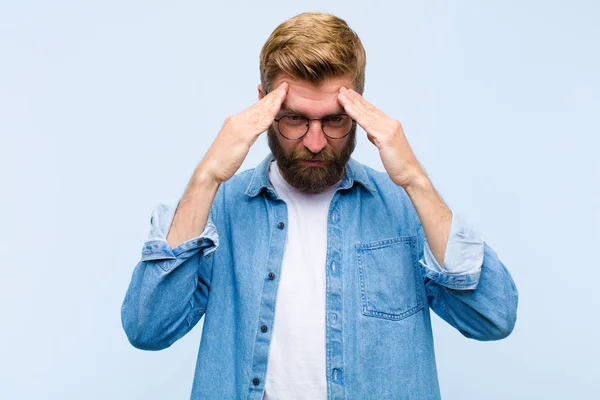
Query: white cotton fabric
{"type": "Point", "coordinates": [296, 366]}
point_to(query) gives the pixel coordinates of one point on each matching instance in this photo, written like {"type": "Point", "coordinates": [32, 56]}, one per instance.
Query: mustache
{"type": "Point", "coordinates": [306, 155]}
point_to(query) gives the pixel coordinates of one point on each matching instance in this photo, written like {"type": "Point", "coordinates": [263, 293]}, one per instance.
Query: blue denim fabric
{"type": "Point", "coordinates": [381, 282]}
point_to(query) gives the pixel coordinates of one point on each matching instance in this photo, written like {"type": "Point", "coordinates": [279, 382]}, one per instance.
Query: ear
{"type": "Point", "coordinates": [261, 92]}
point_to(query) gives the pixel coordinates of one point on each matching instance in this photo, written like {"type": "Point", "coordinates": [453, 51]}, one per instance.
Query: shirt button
{"type": "Point", "coordinates": [333, 318]}
{"type": "Point", "coordinates": [263, 328]}
{"type": "Point", "coordinates": [281, 225]}
{"type": "Point", "coordinates": [271, 275]}
{"type": "Point", "coordinates": [333, 266]}
{"type": "Point", "coordinates": [200, 242]}
{"type": "Point", "coordinates": [255, 381]}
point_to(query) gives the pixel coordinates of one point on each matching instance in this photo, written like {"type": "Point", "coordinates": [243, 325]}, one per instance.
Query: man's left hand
{"type": "Point", "coordinates": [386, 133]}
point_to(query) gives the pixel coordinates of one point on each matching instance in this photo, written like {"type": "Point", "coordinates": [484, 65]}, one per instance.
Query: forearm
{"type": "Point", "coordinates": [435, 216]}
{"type": "Point", "coordinates": [194, 208]}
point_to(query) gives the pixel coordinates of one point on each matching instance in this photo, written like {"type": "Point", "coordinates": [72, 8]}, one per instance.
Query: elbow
{"type": "Point", "coordinates": [503, 322]}
{"type": "Point", "coordinates": [487, 329]}
{"type": "Point", "coordinates": [144, 342]}
{"type": "Point", "coordinates": [141, 336]}
{"type": "Point", "coordinates": [508, 318]}
{"type": "Point", "coordinates": [501, 312]}
{"type": "Point", "coordinates": [504, 328]}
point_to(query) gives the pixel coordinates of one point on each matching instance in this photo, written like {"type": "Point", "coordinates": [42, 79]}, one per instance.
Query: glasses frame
{"type": "Point", "coordinates": [315, 119]}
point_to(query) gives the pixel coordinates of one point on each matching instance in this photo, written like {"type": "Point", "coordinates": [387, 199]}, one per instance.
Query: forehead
{"type": "Point", "coordinates": [313, 100]}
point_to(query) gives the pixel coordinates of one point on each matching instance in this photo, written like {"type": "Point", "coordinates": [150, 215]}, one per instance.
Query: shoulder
{"type": "Point", "coordinates": [378, 180]}
{"type": "Point", "coordinates": [238, 185]}
{"type": "Point", "coordinates": [385, 192]}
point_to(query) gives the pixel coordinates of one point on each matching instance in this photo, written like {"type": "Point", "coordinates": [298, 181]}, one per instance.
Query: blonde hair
{"type": "Point", "coordinates": [313, 47]}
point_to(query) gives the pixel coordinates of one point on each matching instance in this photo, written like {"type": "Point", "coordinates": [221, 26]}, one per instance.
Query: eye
{"type": "Point", "coordinates": [335, 118]}
{"type": "Point", "coordinates": [335, 121]}
{"type": "Point", "coordinates": [294, 120]}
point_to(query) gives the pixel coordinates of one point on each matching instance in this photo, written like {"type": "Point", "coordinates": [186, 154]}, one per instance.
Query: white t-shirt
{"type": "Point", "coordinates": [296, 366]}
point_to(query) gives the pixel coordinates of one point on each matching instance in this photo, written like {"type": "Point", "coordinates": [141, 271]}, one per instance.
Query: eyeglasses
{"type": "Point", "coordinates": [294, 127]}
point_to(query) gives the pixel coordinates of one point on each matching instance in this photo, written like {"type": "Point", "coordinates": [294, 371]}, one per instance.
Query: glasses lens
{"type": "Point", "coordinates": [293, 126]}
{"type": "Point", "coordinates": [337, 126]}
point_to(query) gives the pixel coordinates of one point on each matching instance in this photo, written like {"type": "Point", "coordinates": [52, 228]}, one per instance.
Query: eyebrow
{"type": "Point", "coordinates": [285, 107]}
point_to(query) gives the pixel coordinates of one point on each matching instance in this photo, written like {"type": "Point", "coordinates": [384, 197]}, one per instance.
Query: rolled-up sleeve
{"type": "Point", "coordinates": [169, 287]}
{"type": "Point", "coordinates": [156, 246]}
{"type": "Point", "coordinates": [473, 291]}
{"type": "Point", "coordinates": [462, 259]}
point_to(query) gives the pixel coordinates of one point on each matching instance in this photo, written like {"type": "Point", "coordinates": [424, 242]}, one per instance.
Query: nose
{"type": "Point", "coordinates": [315, 139]}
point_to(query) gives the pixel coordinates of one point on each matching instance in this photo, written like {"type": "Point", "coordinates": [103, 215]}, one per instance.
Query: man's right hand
{"type": "Point", "coordinates": [239, 132]}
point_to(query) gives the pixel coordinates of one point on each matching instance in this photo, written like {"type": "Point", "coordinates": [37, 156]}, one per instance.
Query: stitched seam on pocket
{"type": "Point", "coordinates": [363, 294]}
{"type": "Point", "coordinates": [384, 243]}
{"type": "Point", "coordinates": [395, 317]}
{"type": "Point", "coordinates": [360, 248]}
{"type": "Point", "coordinates": [416, 270]}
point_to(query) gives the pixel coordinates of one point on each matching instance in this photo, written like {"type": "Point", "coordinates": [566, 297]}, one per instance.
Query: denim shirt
{"type": "Point", "coordinates": [381, 281]}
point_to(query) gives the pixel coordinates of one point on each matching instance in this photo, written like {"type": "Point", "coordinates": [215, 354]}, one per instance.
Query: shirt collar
{"type": "Point", "coordinates": [355, 172]}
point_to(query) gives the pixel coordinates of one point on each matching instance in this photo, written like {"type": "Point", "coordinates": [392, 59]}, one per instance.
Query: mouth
{"type": "Point", "coordinates": [313, 163]}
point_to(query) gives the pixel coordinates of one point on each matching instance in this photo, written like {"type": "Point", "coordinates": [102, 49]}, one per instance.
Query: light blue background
{"type": "Point", "coordinates": [106, 108]}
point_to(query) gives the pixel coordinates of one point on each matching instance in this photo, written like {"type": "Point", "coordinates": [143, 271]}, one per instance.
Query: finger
{"type": "Point", "coordinates": [363, 103]}
{"type": "Point", "coordinates": [274, 96]}
{"type": "Point", "coordinates": [355, 108]}
{"type": "Point", "coordinates": [277, 98]}
{"type": "Point", "coordinates": [263, 113]}
{"type": "Point", "coordinates": [270, 104]}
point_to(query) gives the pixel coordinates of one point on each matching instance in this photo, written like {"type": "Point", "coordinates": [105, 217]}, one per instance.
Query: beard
{"type": "Point", "coordinates": [311, 179]}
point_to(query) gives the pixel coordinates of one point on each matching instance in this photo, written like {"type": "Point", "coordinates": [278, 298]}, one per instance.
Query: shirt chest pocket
{"type": "Point", "coordinates": [389, 278]}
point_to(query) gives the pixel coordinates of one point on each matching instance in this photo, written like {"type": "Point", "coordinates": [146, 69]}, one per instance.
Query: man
{"type": "Point", "coordinates": [314, 273]}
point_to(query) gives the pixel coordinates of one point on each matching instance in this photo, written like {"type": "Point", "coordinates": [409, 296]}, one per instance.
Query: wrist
{"type": "Point", "coordinates": [203, 178]}
{"type": "Point", "coordinates": [418, 182]}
